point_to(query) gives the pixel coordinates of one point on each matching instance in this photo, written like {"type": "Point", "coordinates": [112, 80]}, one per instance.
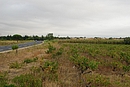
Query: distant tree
{"type": "Point", "coordinates": [110, 38]}
{"type": "Point", "coordinates": [36, 37]}
{"type": "Point", "coordinates": [9, 37]}
{"type": "Point", "coordinates": [49, 36]}
{"type": "Point", "coordinates": [42, 37]}
{"type": "Point", "coordinates": [127, 40]}
{"type": "Point", "coordinates": [67, 37]}
{"type": "Point", "coordinates": [26, 37]}
{"type": "Point", "coordinates": [3, 38]}
{"type": "Point", "coordinates": [17, 37]}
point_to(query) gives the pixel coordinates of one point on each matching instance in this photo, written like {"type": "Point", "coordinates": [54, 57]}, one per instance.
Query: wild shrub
{"type": "Point", "coordinates": [30, 60]}
{"type": "Point", "coordinates": [126, 68]}
{"type": "Point", "coordinates": [115, 65]}
{"type": "Point", "coordinates": [50, 49]}
{"type": "Point", "coordinates": [113, 54]}
{"type": "Point", "coordinates": [125, 57]}
{"type": "Point", "coordinates": [84, 63]}
{"type": "Point", "coordinates": [35, 70]}
{"type": "Point", "coordinates": [81, 62]}
{"type": "Point", "coordinates": [15, 47]}
{"type": "Point", "coordinates": [35, 59]}
{"type": "Point", "coordinates": [10, 85]}
{"type": "Point", "coordinates": [3, 79]}
{"type": "Point", "coordinates": [50, 66]}
{"type": "Point", "coordinates": [127, 40]}
{"type": "Point", "coordinates": [59, 52]}
{"type": "Point", "coordinates": [93, 65]}
{"type": "Point", "coordinates": [50, 71]}
{"type": "Point", "coordinates": [97, 80]}
{"type": "Point", "coordinates": [15, 65]}
{"type": "Point", "coordinates": [27, 80]}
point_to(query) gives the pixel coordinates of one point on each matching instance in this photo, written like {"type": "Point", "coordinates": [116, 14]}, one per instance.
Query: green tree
{"type": "Point", "coordinates": [15, 47]}
{"type": "Point", "coordinates": [127, 40]}
{"type": "Point", "coordinates": [49, 36]}
{"type": "Point", "coordinates": [17, 37]}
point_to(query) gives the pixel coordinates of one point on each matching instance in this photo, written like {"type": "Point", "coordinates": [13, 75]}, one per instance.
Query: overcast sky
{"type": "Point", "coordinates": [89, 18]}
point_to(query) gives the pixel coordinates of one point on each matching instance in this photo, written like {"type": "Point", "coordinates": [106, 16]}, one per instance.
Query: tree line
{"type": "Point", "coordinates": [34, 37]}
{"type": "Point", "coordinates": [49, 36]}
{"type": "Point", "coordinates": [19, 37]}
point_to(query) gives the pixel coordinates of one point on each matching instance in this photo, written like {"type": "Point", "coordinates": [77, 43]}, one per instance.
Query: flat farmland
{"type": "Point", "coordinates": [61, 63]}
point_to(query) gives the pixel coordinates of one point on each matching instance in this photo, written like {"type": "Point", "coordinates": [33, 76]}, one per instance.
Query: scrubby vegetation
{"type": "Point", "coordinates": [12, 42]}
{"type": "Point", "coordinates": [71, 63]}
{"type": "Point", "coordinates": [15, 47]}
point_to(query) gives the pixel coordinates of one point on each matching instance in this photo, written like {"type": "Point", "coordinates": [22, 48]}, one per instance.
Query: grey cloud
{"type": "Point", "coordinates": [65, 17]}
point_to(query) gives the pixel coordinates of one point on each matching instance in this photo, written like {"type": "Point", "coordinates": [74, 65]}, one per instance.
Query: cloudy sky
{"type": "Point", "coordinates": [90, 18]}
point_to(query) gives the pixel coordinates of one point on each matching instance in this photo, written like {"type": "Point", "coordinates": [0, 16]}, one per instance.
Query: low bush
{"type": "Point", "coordinates": [3, 79]}
{"type": "Point", "coordinates": [50, 66]}
{"type": "Point", "coordinates": [30, 60]}
{"type": "Point", "coordinates": [84, 63]}
{"type": "Point", "coordinates": [10, 85]}
{"type": "Point", "coordinates": [93, 65]}
{"type": "Point", "coordinates": [15, 65]}
{"type": "Point", "coordinates": [97, 80]}
{"type": "Point", "coordinates": [59, 52]}
{"type": "Point", "coordinates": [50, 71]}
{"type": "Point", "coordinates": [15, 47]}
{"type": "Point", "coordinates": [126, 68]}
{"type": "Point", "coordinates": [27, 80]}
{"type": "Point", "coordinates": [50, 49]}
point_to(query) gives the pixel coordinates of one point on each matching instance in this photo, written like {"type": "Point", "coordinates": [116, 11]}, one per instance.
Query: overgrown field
{"type": "Point", "coordinates": [56, 64]}
{"type": "Point", "coordinates": [11, 42]}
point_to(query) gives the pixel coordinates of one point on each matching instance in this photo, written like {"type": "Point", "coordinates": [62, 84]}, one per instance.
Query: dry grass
{"type": "Point", "coordinates": [68, 74]}
{"type": "Point", "coordinates": [11, 57]}
{"type": "Point", "coordinates": [11, 42]}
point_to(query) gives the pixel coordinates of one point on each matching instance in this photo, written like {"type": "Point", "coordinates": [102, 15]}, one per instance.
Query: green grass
{"type": "Point", "coordinates": [27, 80]}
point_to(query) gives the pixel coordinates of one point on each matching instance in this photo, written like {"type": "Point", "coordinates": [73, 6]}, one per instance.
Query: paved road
{"type": "Point", "coordinates": [9, 47]}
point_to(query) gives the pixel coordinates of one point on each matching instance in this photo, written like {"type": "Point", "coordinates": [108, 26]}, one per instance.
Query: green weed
{"type": "Point", "coordinates": [97, 80]}
{"type": "Point", "coordinates": [15, 65]}
{"type": "Point", "coordinates": [126, 68]}
{"type": "Point", "coordinates": [57, 53]}
{"type": "Point", "coordinates": [93, 65]}
{"type": "Point", "coordinates": [30, 60]}
{"type": "Point", "coordinates": [15, 47]}
{"type": "Point", "coordinates": [50, 49]}
{"type": "Point", "coordinates": [50, 66]}
{"type": "Point", "coordinates": [50, 71]}
{"type": "Point", "coordinates": [27, 80]}
{"type": "Point", "coordinates": [9, 85]}
{"type": "Point", "coordinates": [3, 79]}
